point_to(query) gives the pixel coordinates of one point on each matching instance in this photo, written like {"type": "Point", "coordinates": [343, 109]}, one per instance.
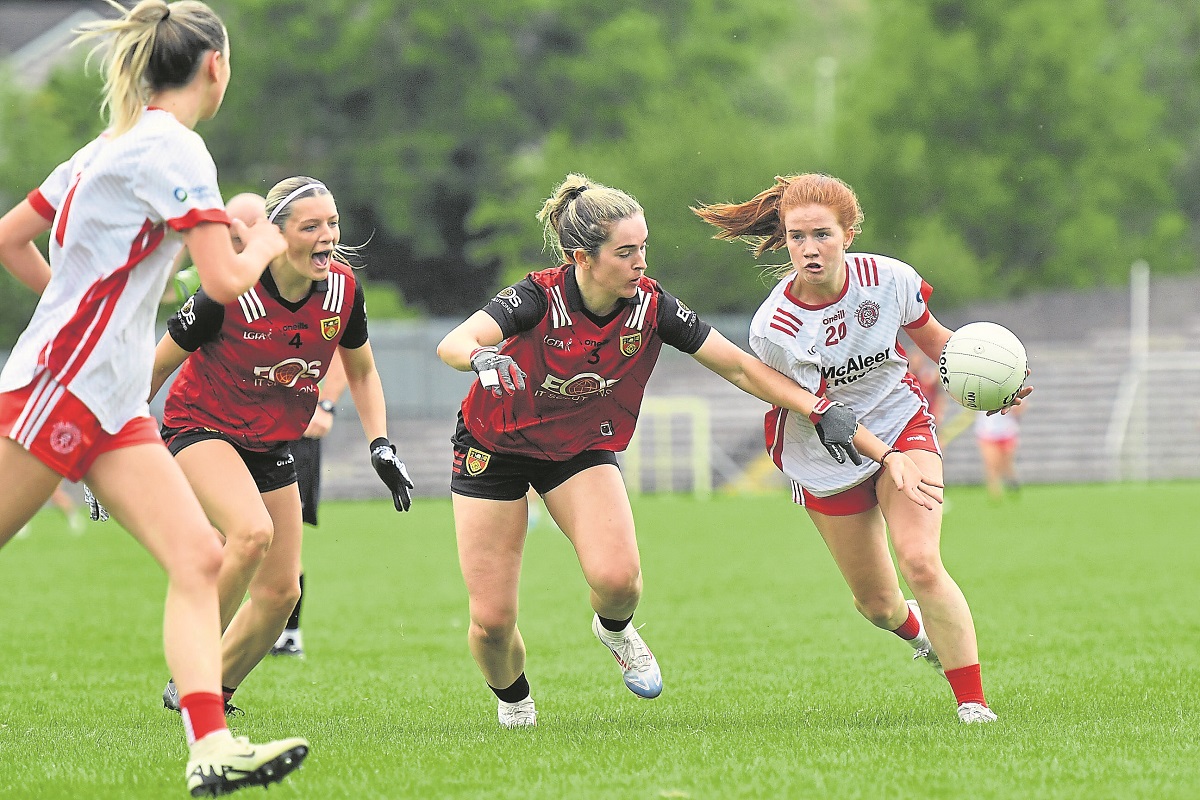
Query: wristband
{"type": "Point", "coordinates": [883, 457]}
{"type": "Point", "coordinates": [327, 406]}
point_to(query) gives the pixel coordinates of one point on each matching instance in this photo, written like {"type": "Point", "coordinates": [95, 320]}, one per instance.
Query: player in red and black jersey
{"type": "Point", "coordinates": [247, 389]}
{"type": "Point", "coordinates": [563, 358]}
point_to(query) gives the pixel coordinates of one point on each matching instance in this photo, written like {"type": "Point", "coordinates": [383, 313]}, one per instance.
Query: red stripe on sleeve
{"type": "Point", "coordinates": [40, 204]}
{"type": "Point", "coordinates": [198, 215]}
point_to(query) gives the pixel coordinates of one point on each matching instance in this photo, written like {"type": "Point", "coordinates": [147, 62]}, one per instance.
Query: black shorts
{"type": "Point", "coordinates": [477, 472]}
{"type": "Point", "coordinates": [307, 453]}
{"type": "Point", "coordinates": [271, 469]}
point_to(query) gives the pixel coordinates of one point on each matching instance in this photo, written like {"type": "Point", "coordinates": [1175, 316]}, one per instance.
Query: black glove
{"type": "Point", "coordinates": [96, 511]}
{"type": "Point", "coordinates": [497, 372]}
{"type": "Point", "coordinates": [392, 472]}
{"type": "Point", "coordinates": [836, 425]}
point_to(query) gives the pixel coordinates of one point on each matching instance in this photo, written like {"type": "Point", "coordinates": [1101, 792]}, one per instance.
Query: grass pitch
{"type": "Point", "coordinates": [1084, 598]}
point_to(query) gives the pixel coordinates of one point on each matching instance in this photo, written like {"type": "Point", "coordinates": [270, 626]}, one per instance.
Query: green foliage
{"type": "Point", "coordinates": [1025, 129]}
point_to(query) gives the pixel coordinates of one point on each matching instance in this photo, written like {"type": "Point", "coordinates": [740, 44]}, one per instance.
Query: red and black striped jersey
{"type": "Point", "coordinates": [256, 362]}
{"type": "Point", "coordinates": [585, 375]}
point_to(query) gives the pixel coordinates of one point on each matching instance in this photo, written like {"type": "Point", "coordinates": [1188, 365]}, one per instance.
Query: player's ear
{"type": "Point", "coordinates": [580, 257]}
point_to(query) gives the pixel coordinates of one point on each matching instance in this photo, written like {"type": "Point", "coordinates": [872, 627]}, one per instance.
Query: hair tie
{"type": "Point", "coordinates": [166, 14]}
{"type": "Point", "coordinates": [574, 192]}
{"type": "Point", "coordinates": [275, 212]}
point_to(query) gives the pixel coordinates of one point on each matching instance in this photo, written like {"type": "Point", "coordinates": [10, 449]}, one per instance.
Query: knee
{"type": "Point", "coordinates": [196, 556]}
{"type": "Point", "coordinates": [248, 543]}
{"type": "Point", "coordinates": [277, 598]}
{"type": "Point", "coordinates": [922, 572]}
{"type": "Point", "coordinates": [618, 585]}
{"type": "Point", "coordinates": [492, 625]}
{"type": "Point", "coordinates": [877, 608]}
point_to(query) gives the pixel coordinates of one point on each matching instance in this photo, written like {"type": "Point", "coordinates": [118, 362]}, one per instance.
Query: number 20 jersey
{"type": "Point", "coordinates": [847, 351]}
{"type": "Point", "coordinates": [256, 362]}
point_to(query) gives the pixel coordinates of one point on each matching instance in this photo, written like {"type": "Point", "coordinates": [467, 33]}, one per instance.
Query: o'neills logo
{"type": "Point", "coordinates": [476, 461]}
{"type": "Point", "coordinates": [330, 327]}
{"type": "Point", "coordinates": [631, 343]}
{"type": "Point", "coordinates": [65, 437]}
{"type": "Point", "coordinates": [854, 369]}
{"type": "Point", "coordinates": [867, 314]}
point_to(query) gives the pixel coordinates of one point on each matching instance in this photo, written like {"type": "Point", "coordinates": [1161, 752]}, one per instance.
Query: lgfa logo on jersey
{"type": "Point", "coordinates": [631, 343]}
{"type": "Point", "coordinates": [476, 461]}
{"type": "Point", "coordinates": [330, 327]}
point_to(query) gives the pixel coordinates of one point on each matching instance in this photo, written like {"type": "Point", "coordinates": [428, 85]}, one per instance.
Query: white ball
{"type": "Point", "coordinates": [983, 366]}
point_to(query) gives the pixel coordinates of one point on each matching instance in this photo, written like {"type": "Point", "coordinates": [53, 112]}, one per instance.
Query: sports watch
{"type": "Point", "coordinates": [327, 406]}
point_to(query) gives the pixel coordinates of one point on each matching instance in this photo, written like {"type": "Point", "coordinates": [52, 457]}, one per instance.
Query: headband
{"type": "Point", "coordinates": [275, 212]}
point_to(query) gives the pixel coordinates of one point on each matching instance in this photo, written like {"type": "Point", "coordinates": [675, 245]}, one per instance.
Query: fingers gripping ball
{"type": "Point", "coordinates": [392, 472]}
{"type": "Point", "coordinates": [836, 425]}
{"type": "Point", "coordinates": [497, 372]}
{"type": "Point", "coordinates": [983, 366]}
{"type": "Point", "coordinates": [187, 283]}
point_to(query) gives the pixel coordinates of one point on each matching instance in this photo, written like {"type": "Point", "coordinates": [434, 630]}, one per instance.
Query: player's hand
{"type": "Point", "coordinates": [96, 510]}
{"type": "Point", "coordinates": [497, 372]}
{"type": "Point", "coordinates": [836, 425]}
{"type": "Point", "coordinates": [1021, 394]}
{"type": "Point", "coordinates": [911, 481]}
{"type": "Point", "coordinates": [392, 472]}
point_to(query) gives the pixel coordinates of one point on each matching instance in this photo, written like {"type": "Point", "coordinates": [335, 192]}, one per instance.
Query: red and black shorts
{"type": "Point", "coordinates": [478, 472]}
{"type": "Point", "coordinates": [271, 469]}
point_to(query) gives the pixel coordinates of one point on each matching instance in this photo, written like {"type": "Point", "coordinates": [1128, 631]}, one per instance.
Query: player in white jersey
{"type": "Point", "coordinates": [998, 436]}
{"type": "Point", "coordinates": [73, 396]}
{"type": "Point", "coordinates": [832, 324]}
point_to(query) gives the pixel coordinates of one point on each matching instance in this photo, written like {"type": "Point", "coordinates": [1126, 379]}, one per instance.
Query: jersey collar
{"type": "Point", "coordinates": [268, 282]}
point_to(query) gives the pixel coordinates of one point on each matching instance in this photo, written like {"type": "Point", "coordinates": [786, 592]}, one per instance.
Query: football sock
{"type": "Point", "coordinates": [966, 684]}
{"type": "Point", "coordinates": [294, 620]}
{"type": "Point", "coordinates": [203, 713]}
{"type": "Point", "coordinates": [515, 693]}
{"type": "Point", "coordinates": [910, 629]}
{"type": "Point", "coordinates": [615, 625]}
{"type": "Point", "coordinates": [227, 693]}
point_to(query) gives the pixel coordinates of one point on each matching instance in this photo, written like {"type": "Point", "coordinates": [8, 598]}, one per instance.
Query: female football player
{"type": "Point", "coordinates": [73, 393]}
{"type": "Point", "coordinates": [832, 323]}
{"type": "Point", "coordinates": [998, 436]}
{"type": "Point", "coordinates": [586, 335]}
{"type": "Point", "coordinates": [247, 390]}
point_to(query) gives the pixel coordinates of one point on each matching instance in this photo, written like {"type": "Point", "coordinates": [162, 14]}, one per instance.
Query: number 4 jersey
{"type": "Point", "coordinates": [256, 362]}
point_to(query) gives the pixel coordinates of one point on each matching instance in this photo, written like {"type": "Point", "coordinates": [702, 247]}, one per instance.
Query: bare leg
{"type": "Point", "coordinates": [27, 484]}
{"type": "Point", "coordinates": [274, 590]}
{"type": "Point", "coordinates": [491, 538]}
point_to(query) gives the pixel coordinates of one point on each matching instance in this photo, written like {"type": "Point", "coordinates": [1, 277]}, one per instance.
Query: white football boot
{"type": "Point", "coordinates": [638, 666]}
{"type": "Point", "coordinates": [971, 713]}
{"type": "Point", "coordinates": [520, 714]}
{"type": "Point", "coordinates": [921, 643]}
{"type": "Point", "coordinates": [220, 764]}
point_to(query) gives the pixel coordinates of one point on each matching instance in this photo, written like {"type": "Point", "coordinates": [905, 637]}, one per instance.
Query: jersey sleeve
{"type": "Point", "coordinates": [678, 325]}
{"type": "Point", "coordinates": [518, 307]}
{"type": "Point", "coordinates": [181, 184]}
{"type": "Point", "coordinates": [197, 321]}
{"type": "Point", "coordinates": [783, 360]}
{"type": "Point", "coordinates": [47, 198]}
{"type": "Point", "coordinates": [355, 334]}
{"type": "Point", "coordinates": [914, 295]}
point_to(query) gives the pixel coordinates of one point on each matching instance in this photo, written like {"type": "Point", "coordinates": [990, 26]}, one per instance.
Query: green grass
{"type": "Point", "coordinates": [1085, 599]}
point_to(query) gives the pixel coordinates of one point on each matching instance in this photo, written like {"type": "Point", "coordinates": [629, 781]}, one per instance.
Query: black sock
{"type": "Point", "coordinates": [293, 622]}
{"type": "Point", "coordinates": [615, 625]}
{"type": "Point", "coordinates": [515, 693]}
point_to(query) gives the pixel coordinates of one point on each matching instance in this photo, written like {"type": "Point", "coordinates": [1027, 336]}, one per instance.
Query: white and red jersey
{"type": "Point", "coordinates": [847, 351]}
{"type": "Point", "coordinates": [117, 207]}
{"type": "Point", "coordinates": [997, 427]}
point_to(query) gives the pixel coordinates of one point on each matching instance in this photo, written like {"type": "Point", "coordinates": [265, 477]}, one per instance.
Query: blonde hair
{"type": "Point", "coordinates": [759, 220]}
{"type": "Point", "coordinates": [283, 197]}
{"type": "Point", "coordinates": [151, 47]}
{"type": "Point", "coordinates": [580, 214]}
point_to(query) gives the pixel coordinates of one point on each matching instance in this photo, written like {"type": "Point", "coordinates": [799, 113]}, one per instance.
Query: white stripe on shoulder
{"type": "Point", "coordinates": [560, 315]}
{"type": "Point", "coordinates": [637, 317]}
{"type": "Point", "coordinates": [252, 306]}
{"type": "Point", "coordinates": [335, 293]}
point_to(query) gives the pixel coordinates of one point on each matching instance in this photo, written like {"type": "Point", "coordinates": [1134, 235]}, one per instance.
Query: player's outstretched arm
{"type": "Point", "coordinates": [167, 357]}
{"type": "Point", "coordinates": [367, 391]}
{"type": "Point", "coordinates": [224, 273]}
{"type": "Point", "coordinates": [18, 253]}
